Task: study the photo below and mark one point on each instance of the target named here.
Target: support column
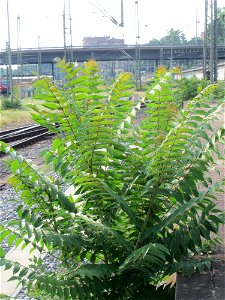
(210, 41)
(53, 71)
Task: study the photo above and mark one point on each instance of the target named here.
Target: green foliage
(221, 25)
(10, 103)
(142, 205)
(177, 37)
(188, 88)
(173, 37)
(219, 93)
(2, 296)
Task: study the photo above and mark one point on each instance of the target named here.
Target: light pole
(18, 28)
(196, 28)
(9, 55)
(64, 30)
(19, 53)
(39, 56)
(138, 50)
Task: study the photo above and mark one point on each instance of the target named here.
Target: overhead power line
(106, 14)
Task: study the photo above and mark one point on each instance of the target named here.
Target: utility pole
(214, 43)
(196, 27)
(210, 41)
(9, 56)
(39, 56)
(138, 51)
(114, 21)
(64, 30)
(71, 41)
(121, 9)
(68, 55)
(19, 52)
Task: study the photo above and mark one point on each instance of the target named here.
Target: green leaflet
(172, 217)
(92, 270)
(66, 203)
(156, 252)
(51, 105)
(120, 241)
(11, 239)
(2, 252)
(123, 204)
(4, 234)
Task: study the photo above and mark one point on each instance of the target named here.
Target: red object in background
(3, 87)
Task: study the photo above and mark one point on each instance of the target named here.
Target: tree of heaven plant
(142, 203)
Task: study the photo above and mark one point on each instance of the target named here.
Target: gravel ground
(9, 199)
(51, 263)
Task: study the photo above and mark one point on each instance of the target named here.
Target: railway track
(24, 136)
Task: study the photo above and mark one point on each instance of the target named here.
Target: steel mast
(19, 52)
(67, 30)
(137, 49)
(210, 56)
(9, 56)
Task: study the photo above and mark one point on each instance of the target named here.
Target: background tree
(192, 41)
(173, 37)
(154, 42)
(221, 26)
(177, 37)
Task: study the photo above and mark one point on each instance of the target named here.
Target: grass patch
(13, 117)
